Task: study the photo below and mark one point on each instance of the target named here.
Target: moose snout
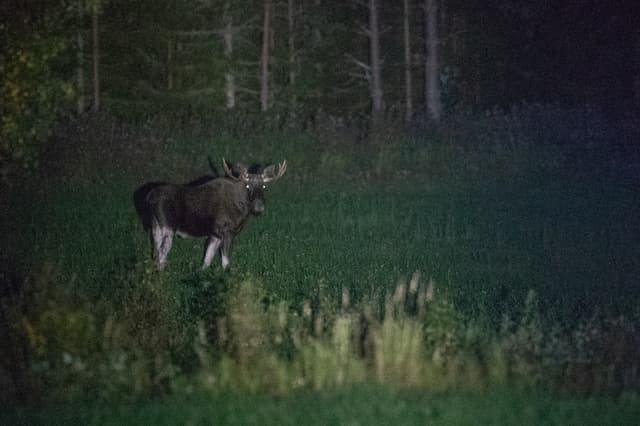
(258, 207)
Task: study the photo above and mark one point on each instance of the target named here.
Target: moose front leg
(211, 248)
(225, 254)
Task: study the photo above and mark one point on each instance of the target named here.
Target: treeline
(353, 57)
(293, 57)
(298, 59)
(339, 56)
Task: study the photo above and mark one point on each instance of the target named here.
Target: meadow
(433, 270)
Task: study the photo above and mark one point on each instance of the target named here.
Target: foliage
(147, 344)
(33, 90)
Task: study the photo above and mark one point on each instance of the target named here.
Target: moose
(215, 208)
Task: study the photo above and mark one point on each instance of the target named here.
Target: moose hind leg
(156, 240)
(211, 248)
(162, 241)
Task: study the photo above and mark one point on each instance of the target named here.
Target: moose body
(217, 210)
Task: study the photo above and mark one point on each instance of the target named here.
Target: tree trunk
(178, 71)
(264, 75)
(170, 60)
(292, 45)
(375, 64)
(432, 67)
(317, 34)
(230, 86)
(80, 58)
(291, 19)
(408, 84)
(636, 79)
(96, 54)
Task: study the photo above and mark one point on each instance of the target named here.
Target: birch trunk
(636, 80)
(96, 54)
(178, 72)
(291, 42)
(80, 58)
(291, 20)
(432, 67)
(317, 34)
(170, 55)
(375, 64)
(264, 74)
(230, 86)
(408, 83)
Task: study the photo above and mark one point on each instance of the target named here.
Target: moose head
(255, 183)
(217, 210)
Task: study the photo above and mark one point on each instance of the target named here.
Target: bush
(33, 92)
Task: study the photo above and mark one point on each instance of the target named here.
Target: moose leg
(152, 238)
(211, 248)
(162, 241)
(167, 241)
(226, 250)
(156, 239)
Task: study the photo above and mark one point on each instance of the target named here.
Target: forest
(449, 233)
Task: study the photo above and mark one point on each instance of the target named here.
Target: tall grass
(146, 341)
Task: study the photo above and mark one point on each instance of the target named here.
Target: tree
(291, 45)
(95, 10)
(80, 89)
(35, 82)
(229, 78)
(264, 57)
(408, 111)
(375, 63)
(432, 67)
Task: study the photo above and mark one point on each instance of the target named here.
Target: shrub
(32, 92)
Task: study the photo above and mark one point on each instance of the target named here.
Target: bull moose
(217, 209)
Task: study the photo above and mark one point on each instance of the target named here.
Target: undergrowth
(145, 340)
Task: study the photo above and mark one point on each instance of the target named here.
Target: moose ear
(269, 171)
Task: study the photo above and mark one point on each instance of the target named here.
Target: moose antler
(282, 168)
(228, 171)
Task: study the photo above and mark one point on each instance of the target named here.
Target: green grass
(342, 218)
(359, 405)
(576, 245)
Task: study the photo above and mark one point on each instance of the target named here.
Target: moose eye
(264, 186)
(247, 186)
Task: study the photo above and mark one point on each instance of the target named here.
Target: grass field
(361, 405)
(534, 267)
(575, 243)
